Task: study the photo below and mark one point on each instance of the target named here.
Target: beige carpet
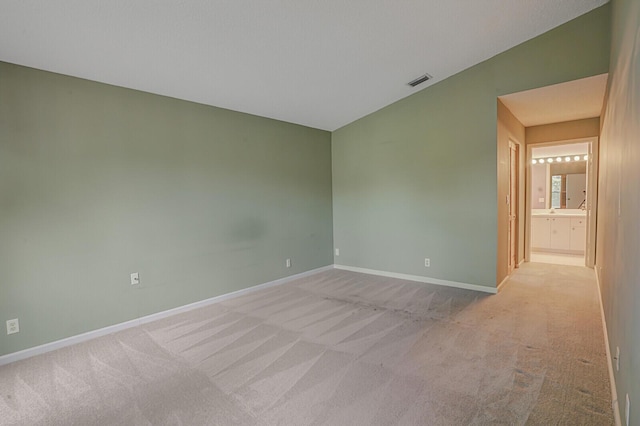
(339, 348)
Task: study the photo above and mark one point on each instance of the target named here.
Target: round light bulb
(559, 159)
(534, 161)
(549, 160)
(586, 156)
(577, 157)
(567, 159)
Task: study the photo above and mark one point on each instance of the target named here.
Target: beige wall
(509, 128)
(618, 242)
(576, 129)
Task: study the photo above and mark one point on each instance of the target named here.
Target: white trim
(612, 379)
(58, 344)
(419, 278)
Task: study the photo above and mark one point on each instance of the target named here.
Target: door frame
(592, 196)
(513, 234)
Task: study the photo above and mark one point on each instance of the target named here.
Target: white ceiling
(573, 100)
(317, 63)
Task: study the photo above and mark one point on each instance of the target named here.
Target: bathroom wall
(539, 186)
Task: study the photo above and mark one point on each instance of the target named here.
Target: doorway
(561, 202)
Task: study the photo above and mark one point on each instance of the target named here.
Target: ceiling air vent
(419, 80)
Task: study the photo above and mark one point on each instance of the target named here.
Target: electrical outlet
(627, 409)
(617, 358)
(13, 326)
(288, 263)
(135, 278)
(337, 252)
(427, 262)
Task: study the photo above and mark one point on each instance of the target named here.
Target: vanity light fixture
(566, 159)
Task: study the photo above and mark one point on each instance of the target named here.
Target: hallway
(558, 313)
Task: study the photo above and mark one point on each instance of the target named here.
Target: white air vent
(419, 80)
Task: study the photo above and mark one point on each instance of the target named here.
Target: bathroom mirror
(559, 185)
(568, 191)
(568, 185)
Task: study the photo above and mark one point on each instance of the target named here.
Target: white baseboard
(612, 379)
(419, 278)
(48, 347)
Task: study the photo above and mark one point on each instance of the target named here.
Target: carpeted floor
(339, 348)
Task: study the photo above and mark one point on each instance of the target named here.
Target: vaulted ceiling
(322, 64)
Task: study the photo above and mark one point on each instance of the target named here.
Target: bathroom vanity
(563, 231)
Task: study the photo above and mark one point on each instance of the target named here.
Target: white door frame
(592, 196)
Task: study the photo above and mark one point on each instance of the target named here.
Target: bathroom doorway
(561, 202)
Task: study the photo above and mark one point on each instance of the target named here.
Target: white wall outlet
(13, 326)
(288, 263)
(427, 262)
(135, 278)
(627, 409)
(541, 200)
(617, 358)
(337, 252)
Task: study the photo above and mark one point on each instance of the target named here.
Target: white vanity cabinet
(540, 232)
(558, 233)
(560, 238)
(578, 233)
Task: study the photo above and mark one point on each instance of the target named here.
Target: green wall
(618, 241)
(97, 182)
(418, 178)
